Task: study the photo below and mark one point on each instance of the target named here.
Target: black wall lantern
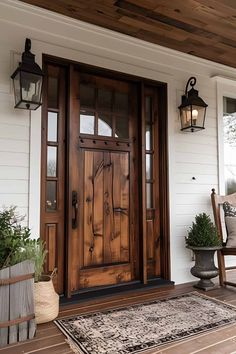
(27, 81)
(192, 109)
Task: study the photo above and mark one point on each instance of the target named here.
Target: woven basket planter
(46, 300)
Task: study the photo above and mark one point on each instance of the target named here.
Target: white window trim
(225, 87)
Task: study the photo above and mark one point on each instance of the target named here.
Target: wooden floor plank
(57, 349)
(50, 340)
(200, 341)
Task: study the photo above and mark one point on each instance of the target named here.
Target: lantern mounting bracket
(192, 82)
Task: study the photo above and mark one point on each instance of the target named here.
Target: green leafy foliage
(35, 251)
(202, 233)
(13, 237)
(16, 245)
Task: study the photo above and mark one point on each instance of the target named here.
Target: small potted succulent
(204, 242)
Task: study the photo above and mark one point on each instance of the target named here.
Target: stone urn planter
(203, 240)
(204, 267)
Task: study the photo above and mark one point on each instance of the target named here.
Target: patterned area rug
(135, 329)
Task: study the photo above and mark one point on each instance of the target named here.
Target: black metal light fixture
(192, 109)
(27, 81)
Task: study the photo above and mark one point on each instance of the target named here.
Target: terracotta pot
(46, 300)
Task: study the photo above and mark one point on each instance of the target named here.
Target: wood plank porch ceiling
(203, 28)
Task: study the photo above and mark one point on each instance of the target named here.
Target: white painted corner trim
(225, 87)
(223, 80)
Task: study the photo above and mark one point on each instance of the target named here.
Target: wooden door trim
(164, 192)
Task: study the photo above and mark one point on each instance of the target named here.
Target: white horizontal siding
(19, 200)
(14, 173)
(14, 143)
(14, 159)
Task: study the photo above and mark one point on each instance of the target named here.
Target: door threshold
(100, 292)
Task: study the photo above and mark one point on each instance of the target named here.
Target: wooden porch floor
(49, 339)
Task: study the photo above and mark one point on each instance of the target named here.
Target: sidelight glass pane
(149, 137)
(149, 195)
(52, 161)
(52, 126)
(87, 96)
(229, 120)
(122, 127)
(87, 122)
(149, 166)
(104, 124)
(52, 92)
(51, 196)
(121, 103)
(104, 99)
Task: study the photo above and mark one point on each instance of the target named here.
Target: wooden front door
(104, 195)
(104, 189)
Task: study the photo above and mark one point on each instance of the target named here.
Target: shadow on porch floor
(49, 339)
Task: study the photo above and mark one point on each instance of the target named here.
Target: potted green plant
(45, 297)
(204, 242)
(16, 277)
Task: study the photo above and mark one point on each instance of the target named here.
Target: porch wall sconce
(192, 109)
(27, 81)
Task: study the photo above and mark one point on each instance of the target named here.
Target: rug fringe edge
(73, 346)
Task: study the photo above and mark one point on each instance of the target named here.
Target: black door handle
(75, 209)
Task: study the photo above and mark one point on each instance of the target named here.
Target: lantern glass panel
(198, 116)
(185, 116)
(17, 90)
(31, 87)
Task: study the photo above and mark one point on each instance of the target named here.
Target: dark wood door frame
(161, 89)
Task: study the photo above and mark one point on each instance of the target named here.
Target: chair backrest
(217, 201)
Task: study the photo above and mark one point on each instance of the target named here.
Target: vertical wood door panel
(106, 208)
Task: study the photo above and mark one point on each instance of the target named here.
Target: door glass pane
(87, 96)
(52, 161)
(52, 126)
(149, 195)
(87, 122)
(122, 127)
(104, 99)
(52, 92)
(121, 103)
(148, 137)
(148, 166)
(229, 119)
(51, 196)
(104, 124)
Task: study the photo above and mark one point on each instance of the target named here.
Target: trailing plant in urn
(202, 233)
(203, 240)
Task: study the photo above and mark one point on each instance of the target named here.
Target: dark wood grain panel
(115, 241)
(98, 194)
(125, 207)
(108, 209)
(88, 208)
(204, 28)
(52, 246)
(106, 275)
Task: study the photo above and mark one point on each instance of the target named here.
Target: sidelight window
(229, 122)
